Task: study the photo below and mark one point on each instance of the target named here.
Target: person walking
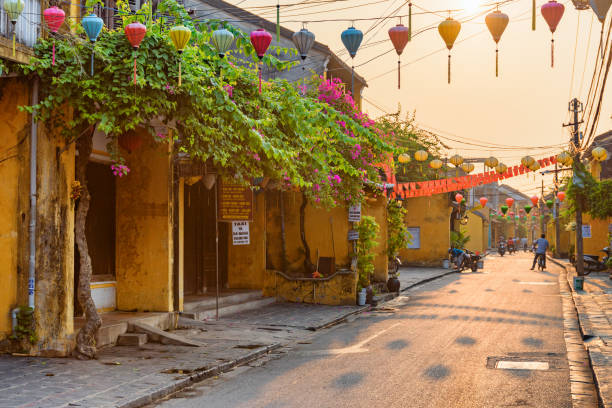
(541, 245)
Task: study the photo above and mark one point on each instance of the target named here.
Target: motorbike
(593, 264)
(511, 249)
(501, 249)
(471, 260)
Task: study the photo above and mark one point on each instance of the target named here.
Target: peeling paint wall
(144, 260)
(475, 229)
(340, 289)
(432, 215)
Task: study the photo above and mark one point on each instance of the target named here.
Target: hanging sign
(586, 231)
(353, 235)
(235, 202)
(354, 213)
(240, 233)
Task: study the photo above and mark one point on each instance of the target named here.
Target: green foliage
(398, 236)
(459, 239)
(368, 234)
(218, 112)
(594, 197)
(24, 331)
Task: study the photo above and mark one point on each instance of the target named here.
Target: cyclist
(541, 245)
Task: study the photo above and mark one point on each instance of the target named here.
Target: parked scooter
(501, 249)
(470, 260)
(593, 264)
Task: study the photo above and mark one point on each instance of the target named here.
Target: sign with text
(235, 202)
(353, 235)
(241, 233)
(586, 231)
(355, 213)
(414, 238)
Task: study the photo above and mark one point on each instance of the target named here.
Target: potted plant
(368, 232)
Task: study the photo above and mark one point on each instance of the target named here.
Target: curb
(166, 390)
(427, 280)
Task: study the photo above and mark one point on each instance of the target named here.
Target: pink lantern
(135, 33)
(561, 196)
(509, 201)
(552, 13)
(54, 17)
(261, 40)
(483, 201)
(458, 198)
(534, 200)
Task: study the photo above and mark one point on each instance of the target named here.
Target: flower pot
(393, 284)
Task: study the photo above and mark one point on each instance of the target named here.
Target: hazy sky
(525, 106)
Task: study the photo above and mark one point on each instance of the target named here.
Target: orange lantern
(483, 201)
(400, 35)
(509, 201)
(552, 13)
(458, 198)
(496, 23)
(449, 30)
(561, 196)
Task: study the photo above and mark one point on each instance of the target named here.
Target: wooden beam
(22, 53)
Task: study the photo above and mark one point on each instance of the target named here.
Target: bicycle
(541, 263)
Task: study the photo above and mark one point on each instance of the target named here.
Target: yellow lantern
(467, 167)
(403, 158)
(180, 36)
(527, 161)
(501, 168)
(599, 154)
(435, 164)
(449, 30)
(496, 23)
(535, 166)
(564, 158)
(456, 160)
(421, 155)
(491, 162)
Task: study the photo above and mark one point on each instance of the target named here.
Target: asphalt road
(434, 346)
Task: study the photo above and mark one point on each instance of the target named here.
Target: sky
(525, 106)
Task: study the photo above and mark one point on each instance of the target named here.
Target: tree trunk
(86, 338)
(308, 266)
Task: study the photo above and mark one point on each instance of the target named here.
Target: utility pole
(557, 237)
(575, 106)
(542, 230)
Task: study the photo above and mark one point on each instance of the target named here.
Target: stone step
(208, 302)
(156, 335)
(208, 313)
(132, 339)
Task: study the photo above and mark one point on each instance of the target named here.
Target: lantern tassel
(180, 81)
(398, 74)
(53, 57)
(449, 68)
(259, 70)
(409, 21)
(13, 41)
(92, 62)
(134, 71)
(277, 22)
(533, 15)
(552, 52)
(496, 62)
(353, 82)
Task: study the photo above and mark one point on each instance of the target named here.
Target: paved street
(437, 345)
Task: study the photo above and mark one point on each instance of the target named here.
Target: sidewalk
(594, 308)
(131, 376)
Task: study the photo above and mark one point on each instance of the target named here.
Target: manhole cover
(528, 361)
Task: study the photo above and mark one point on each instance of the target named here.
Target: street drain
(249, 346)
(521, 365)
(539, 361)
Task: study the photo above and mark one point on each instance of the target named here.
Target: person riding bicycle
(541, 245)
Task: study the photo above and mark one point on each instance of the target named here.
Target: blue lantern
(92, 25)
(351, 38)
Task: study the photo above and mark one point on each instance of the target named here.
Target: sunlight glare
(471, 6)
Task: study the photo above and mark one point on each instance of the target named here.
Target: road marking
(521, 365)
(537, 283)
(357, 348)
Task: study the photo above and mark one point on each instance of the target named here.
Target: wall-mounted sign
(240, 233)
(235, 202)
(355, 213)
(586, 231)
(414, 238)
(353, 235)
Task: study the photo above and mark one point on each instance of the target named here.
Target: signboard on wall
(353, 235)
(235, 202)
(414, 239)
(586, 231)
(240, 233)
(355, 213)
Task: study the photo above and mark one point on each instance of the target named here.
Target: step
(207, 302)
(132, 339)
(208, 313)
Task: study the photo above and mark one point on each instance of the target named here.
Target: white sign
(586, 231)
(414, 238)
(240, 233)
(355, 213)
(353, 235)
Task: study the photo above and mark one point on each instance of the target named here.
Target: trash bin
(446, 264)
(578, 282)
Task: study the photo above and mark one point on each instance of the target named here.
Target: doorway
(200, 260)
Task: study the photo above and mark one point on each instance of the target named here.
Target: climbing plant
(368, 234)
(398, 236)
(594, 197)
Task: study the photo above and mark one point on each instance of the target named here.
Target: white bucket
(446, 264)
(361, 298)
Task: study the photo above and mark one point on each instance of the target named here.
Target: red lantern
(458, 198)
(561, 196)
(261, 40)
(483, 201)
(552, 13)
(54, 17)
(535, 200)
(511, 214)
(400, 35)
(135, 33)
(509, 201)
(130, 141)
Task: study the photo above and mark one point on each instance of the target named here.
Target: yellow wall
(432, 215)
(13, 127)
(339, 289)
(247, 263)
(377, 208)
(475, 229)
(144, 259)
(599, 235)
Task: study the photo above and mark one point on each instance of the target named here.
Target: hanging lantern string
(409, 21)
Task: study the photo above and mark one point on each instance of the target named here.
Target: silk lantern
(403, 158)
(458, 197)
(581, 4)
(527, 161)
(564, 158)
(261, 40)
(600, 8)
(303, 41)
(399, 35)
(13, 8)
(483, 201)
(496, 23)
(92, 25)
(535, 166)
(135, 33)
(534, 200)
(549, 203)
(435, 164)
(599, 154)
(456, 160)
(501, 168)
(467, 167)
(54, 17)
(509, 201)
(561, 196)
(351, 38)
(491, 162)
(222, 41)
(552, 13)
(449, 30)
(504, 209)
(421, 155)
(180, 36)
